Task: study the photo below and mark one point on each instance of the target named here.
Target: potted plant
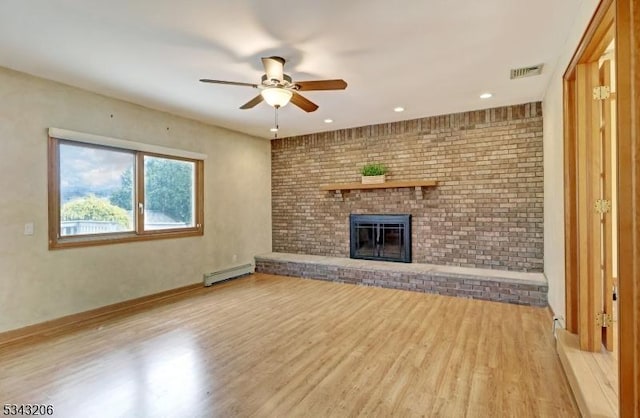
(373, 173)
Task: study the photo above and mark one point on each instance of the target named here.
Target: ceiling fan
(277, 88)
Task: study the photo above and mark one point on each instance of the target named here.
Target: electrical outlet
(28, 228)
(558, 322)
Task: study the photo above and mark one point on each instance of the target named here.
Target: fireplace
(381, 237)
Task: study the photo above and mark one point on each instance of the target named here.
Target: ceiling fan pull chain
(277, 126)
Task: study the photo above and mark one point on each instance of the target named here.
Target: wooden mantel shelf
(417, 184)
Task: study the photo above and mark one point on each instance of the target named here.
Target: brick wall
(485, 212)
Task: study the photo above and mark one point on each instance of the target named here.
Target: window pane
(169, 200)
(96, 190)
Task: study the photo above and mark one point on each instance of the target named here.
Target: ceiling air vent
(526, 71)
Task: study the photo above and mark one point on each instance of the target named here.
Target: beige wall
(37, 284)
(554, 166)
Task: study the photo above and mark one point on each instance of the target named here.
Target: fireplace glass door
(381, 237)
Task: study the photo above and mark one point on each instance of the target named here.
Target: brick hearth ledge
(495, 285)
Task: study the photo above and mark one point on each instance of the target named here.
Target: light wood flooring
(593, 376)
(272, 346)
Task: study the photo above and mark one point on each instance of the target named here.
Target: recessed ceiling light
(328, 121)
(398, 109)
(486, 95)
(273, 129)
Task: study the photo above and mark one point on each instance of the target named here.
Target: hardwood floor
(593, 376)
(278, 346)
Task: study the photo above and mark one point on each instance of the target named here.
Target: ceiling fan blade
(303, 103)
(251, 103)
(321, 85)
(274, 68)
(232, 83)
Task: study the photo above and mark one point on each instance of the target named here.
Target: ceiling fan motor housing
(286, 82)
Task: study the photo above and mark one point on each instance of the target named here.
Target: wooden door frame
(588, 221)
(582, 236)
(626, 15)
(628, 125)
(607, 142)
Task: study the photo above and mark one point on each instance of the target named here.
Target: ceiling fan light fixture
(276, 96)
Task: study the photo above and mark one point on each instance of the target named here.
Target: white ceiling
(430, 56)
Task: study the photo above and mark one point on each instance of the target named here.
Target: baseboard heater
(226, 274)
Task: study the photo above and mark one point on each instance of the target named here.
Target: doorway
(591, 225)
(602, 195)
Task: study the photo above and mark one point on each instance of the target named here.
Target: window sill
(95, 240)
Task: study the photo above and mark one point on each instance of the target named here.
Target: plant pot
(373, 179)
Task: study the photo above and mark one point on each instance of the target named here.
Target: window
(101, 194)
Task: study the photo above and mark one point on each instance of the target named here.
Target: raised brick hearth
(495, 285)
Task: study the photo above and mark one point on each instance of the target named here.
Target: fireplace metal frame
(380, 219)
